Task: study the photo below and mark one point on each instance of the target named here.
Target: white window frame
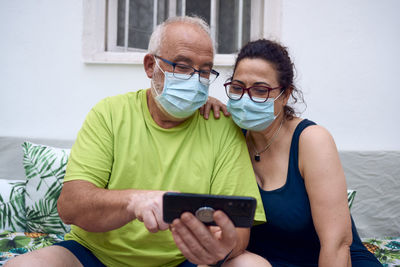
(94, 35)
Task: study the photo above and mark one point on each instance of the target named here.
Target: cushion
(385, 249)
(45, 169)
(350, 197)
(13, 244)
(12, 205)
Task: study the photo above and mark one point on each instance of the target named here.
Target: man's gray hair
(158, 34)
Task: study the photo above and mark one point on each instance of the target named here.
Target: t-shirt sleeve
(91, 156)
(233, 173)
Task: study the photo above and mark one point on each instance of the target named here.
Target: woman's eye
(259, 90)
(236, 88)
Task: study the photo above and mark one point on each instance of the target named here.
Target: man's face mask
(180, 97)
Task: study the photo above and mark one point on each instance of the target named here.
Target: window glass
(198, 8)
(121, 23)
(162, 11)
(141, 20)
(140, 23)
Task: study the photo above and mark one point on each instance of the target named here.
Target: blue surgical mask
(251, 115)
(181, 98)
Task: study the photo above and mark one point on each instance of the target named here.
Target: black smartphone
(239, 209)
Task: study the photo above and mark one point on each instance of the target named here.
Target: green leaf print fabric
(350, 197)
(12, 205)
(45, 169)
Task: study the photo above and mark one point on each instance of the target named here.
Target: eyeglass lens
(256, 93)
(206, 76)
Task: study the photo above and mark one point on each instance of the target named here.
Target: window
(118, 31)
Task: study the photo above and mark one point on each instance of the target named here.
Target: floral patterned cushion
(386, 250)
(12, 205)
(16, 243)
(45, 169)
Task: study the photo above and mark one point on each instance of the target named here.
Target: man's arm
(100, 210)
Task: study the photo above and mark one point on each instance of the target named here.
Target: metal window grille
(229, 20)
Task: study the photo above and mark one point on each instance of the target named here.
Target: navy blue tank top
(288, 238)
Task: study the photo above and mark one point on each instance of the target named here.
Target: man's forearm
(94, 209)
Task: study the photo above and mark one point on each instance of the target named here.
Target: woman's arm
(325, 183)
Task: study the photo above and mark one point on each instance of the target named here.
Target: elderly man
(134, 147)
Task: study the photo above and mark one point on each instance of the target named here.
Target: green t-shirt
(121, 147)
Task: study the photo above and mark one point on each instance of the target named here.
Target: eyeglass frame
(174, 64)
(247, 89)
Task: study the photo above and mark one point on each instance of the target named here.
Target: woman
(297, 168)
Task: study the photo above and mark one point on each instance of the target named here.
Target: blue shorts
(84, 255)
(87, 258)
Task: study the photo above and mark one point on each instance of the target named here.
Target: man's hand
(147, 207)
(203, 245)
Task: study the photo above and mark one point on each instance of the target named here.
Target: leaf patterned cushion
(12, 205)
(45, 169)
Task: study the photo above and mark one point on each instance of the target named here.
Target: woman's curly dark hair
(278, 56)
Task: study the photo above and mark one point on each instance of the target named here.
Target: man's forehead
(181, 35)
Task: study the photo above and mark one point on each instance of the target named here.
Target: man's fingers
(228, 231)
(205, 237)
(183, 247)
(150, 221)
(188, 243)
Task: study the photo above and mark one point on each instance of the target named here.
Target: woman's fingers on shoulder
(216, 105)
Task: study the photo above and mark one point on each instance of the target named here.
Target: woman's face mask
(180, 97)
(250, 115)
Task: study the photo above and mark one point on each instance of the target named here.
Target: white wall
(346, 53)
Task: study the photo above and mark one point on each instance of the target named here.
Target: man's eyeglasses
(185, 72)
(257, 93)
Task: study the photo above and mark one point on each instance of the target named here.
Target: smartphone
(238, 208)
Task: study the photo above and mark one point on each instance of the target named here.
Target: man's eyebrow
(180, 58)
(183, 59)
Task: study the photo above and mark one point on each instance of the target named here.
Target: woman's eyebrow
(261, 83)
(239, 81)
(256, 83)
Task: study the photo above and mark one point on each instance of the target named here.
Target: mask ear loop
(274, 103)
(279, 95)
(152, 82)
(155, 59)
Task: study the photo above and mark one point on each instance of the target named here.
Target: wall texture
(346, 54)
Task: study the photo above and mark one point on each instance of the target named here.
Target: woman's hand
(216, 105)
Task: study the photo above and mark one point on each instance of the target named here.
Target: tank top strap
(294, 147)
